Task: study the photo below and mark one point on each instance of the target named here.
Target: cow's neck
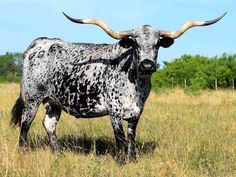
(142, 81)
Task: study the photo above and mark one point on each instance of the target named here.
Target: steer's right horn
(103, 25)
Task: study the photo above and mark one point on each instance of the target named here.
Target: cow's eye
(128, 42)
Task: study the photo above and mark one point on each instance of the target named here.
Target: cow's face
(146, 41)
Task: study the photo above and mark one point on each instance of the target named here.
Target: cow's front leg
(132, 124)
(120, 138)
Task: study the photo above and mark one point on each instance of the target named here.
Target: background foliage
(197, 72)
(11, 67)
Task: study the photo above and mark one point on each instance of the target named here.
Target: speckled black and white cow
(92, 80)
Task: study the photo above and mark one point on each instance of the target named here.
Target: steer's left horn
(103, 25)
(187, 26)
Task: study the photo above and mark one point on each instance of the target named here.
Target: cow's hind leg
(51, 118)
(120, 139)
(28, 115)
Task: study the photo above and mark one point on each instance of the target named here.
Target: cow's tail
(16, 112)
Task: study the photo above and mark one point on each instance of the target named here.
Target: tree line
(190, 72)
(197, 72)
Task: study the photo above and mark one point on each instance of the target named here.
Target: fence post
(233, 84)
(172, 82)
(216, 85)
(185, 84)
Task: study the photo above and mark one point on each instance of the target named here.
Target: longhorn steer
(91, 80)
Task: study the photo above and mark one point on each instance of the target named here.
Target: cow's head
(145, 40)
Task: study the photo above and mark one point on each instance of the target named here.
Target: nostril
(147, 65)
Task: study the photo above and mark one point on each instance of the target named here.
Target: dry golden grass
(178, 135)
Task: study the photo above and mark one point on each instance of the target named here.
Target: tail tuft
(16, 112)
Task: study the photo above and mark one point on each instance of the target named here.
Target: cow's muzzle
(147, 67)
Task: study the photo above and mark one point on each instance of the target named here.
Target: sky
(21, 21)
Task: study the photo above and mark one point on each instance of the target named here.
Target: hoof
(57, 150)
(121, 159)
(132, 160)
(22, 150)
(132, 157)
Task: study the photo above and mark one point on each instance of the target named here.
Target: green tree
(10, 67)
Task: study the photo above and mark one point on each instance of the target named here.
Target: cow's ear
(166, 42)
(128, 42)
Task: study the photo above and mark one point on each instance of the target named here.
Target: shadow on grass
(86, 145)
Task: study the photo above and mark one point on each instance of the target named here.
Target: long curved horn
(187, 26)
(103, 25)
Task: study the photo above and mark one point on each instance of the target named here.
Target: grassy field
(178, 135)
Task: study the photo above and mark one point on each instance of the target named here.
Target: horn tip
(224, 14)
(219, 18)
(64, 14)
(81, 21)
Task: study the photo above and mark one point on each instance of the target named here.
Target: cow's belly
(86, 112)
(81, 107)
(84, 104)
